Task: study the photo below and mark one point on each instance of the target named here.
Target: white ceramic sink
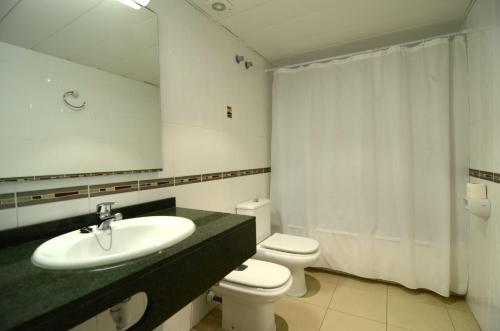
(128, 239)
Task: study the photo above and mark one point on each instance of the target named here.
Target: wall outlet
(229, 111)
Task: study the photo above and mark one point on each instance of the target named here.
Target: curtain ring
(73, 94)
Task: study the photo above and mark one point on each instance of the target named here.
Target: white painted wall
(39, 135)
(484, 247)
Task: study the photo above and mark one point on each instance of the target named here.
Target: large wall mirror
(79, 87)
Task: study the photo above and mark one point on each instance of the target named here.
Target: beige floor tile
(368, 304)
(463, 320)
(362, 284)
(396, 328)
(417, 316)
(323, 276)
(299, 316)
(319, 291)
(337, 321)
(211, 322)
(457, 303)
(417, 296)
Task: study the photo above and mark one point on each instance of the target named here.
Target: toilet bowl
(248, 294)
(293, 252)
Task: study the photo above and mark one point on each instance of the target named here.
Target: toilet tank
(261, 209)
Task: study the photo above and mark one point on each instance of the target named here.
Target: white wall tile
(239, 189)
(483, 24)
(194, 151)
(50, 183)
(205, 195)
(97, 180)
(47, 212)
(29, 215)
(167, 145)
(8, 219)
(120, 200)
(11, 149)
(7, 187)
(156, 194)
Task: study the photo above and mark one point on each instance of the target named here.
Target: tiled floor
(339, 303)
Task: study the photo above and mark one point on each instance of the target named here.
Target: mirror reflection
(79, 89)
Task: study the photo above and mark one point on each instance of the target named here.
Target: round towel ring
(73, 94)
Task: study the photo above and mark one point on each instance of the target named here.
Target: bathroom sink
(127, 239)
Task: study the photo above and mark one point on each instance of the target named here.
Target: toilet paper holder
(478, 207)
(476, 200)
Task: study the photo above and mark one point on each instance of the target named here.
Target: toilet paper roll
(476, 191)
(479, 207)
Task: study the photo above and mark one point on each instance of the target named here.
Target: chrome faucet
(105, 217)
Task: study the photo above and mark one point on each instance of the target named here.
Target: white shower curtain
(363, 161)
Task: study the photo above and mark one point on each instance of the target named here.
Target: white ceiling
(103, 34)
(281, 29)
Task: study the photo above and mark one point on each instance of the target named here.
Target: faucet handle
(104, 208)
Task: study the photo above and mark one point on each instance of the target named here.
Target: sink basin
(127, 239)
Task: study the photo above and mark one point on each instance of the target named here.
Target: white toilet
(293, 252)
(277, 269)
(248, 294)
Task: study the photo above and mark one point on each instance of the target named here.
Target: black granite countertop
(29, 293)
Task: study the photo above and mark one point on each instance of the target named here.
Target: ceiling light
(218, 6)
(136, 4)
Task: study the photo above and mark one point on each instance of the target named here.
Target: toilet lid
(259, 274)
(290, 244)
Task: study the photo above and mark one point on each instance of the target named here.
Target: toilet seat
(290, 251)
(290, 244)
(248, 295)
(260, 281)
(296, 253)
(259, 274)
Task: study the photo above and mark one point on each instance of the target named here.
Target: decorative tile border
(156, 183)
(7, 201)
(486, 175)
(29, 198)
(187, 180)
(247, 172)
(113, 188)
(85, 174)
(212, 176)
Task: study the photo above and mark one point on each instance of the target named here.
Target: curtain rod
(337, 57)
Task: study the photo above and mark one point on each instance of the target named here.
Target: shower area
(371, 157)
(367, 160)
